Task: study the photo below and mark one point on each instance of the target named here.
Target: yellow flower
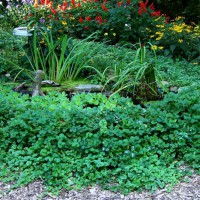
(179, 28)
(158, 38)
(151, 36)
(188, 30)
(154, 47)
(160, 26)
(157, 18)
(148, 30)
(49, 27)
(159, 33)
(180, 40)
(42, 41)
(105, 34)
(114, 34)
(179, 17)
(161, 47)
(64, 23)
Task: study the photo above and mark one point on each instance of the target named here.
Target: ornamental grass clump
(139, 77)
(63, 58)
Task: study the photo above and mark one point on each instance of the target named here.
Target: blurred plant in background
(189, 9)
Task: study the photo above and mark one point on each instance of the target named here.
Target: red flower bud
(119, 4)
(104, 7)
(80, 20)
(98, 19)
(64, 5)
(73, 3)
(86, 28)
(88, 18)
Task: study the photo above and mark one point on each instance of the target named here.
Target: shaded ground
(36, 191)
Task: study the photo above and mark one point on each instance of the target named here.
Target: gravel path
(36, 191)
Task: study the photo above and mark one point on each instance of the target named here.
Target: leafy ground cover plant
(95, 140)
(178, 72)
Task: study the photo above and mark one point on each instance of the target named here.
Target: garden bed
(92, 139)
(133, 137)
(185, 190)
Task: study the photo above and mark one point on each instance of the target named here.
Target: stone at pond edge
(50, 83)
(173, 89)
(88, 88)
(20, 87)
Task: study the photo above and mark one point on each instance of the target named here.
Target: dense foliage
(95, 140)
(189, 9)
(91, 139)
(116, 22)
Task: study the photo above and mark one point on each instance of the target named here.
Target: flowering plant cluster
(124, 21)
(114, 21)
(177, 39)
(14, 11)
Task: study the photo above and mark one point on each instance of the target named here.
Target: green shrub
(95, 140)
(124, 21)
(178, 39)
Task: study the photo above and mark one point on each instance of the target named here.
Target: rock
(93, 191)
(20, 87)
(165, 83)
(88, 88)
(7, 75)
(50, 83)
(37, 83)
(173, 89)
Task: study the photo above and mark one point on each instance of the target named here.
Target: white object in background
(22, 31)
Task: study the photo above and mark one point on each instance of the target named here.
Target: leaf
(172, 47)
